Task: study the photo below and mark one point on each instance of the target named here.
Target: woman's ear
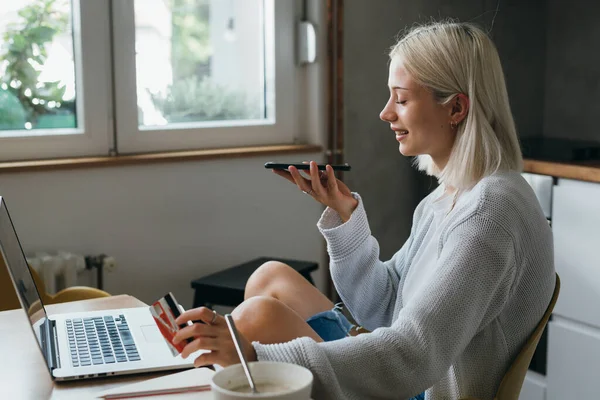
(460, 108)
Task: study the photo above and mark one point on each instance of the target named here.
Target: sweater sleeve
(475, 271)
(366, 285)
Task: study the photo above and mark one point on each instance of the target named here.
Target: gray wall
(572, 70)
(390, 187)
(519, 32)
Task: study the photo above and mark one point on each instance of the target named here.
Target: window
(46, 76)
(38, 71)
(130, 76)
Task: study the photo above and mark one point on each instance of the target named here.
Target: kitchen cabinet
(574, 333)
(573, 361)
(534, 387)
(576, 229)
(573, 347)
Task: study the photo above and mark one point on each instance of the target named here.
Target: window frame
(94, 132)
(283, 129)
(300, 92)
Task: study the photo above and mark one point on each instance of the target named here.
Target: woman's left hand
(213, 335)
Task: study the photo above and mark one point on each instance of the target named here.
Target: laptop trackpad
(151, 333)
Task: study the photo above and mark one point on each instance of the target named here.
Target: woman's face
(421, 124)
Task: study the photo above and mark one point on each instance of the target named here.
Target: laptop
(89, 344)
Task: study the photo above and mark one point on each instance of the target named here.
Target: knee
(262, 281)
(255, 313)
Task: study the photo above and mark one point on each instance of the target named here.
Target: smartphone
(274, 165)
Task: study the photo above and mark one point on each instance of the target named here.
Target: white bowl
(294, 381)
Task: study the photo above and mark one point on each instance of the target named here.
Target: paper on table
(175, 383)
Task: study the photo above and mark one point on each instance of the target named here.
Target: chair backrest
(511, 384)
(8, 296)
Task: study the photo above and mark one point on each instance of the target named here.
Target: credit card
(164, 311)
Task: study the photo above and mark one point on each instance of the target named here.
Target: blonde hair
(451, 58)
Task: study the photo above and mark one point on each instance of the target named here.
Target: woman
(452, 308)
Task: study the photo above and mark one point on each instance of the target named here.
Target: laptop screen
(18, 269)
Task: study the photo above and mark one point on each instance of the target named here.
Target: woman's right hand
(323, 187)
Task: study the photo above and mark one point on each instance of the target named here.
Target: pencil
(147, 393)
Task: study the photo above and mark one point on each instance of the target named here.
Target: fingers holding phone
(323, 186)
(318, 187)
(284, 174)
(304, 184)
(305, 166)
(283, 170)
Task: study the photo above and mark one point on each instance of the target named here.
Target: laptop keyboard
(100, 340)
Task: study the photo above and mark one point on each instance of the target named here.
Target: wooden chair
(9, 300)
(511, 384)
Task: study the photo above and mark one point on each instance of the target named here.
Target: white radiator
(61, 270)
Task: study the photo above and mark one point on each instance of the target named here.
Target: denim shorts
(332, 325)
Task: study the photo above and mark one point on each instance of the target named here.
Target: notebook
(190, 384)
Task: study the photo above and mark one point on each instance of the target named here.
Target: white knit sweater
(494, 279)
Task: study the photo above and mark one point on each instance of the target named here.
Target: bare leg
(278, 302)
(268, 320)
(282, 282)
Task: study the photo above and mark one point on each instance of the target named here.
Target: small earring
(453, 125)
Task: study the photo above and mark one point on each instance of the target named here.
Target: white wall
(167, 224)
